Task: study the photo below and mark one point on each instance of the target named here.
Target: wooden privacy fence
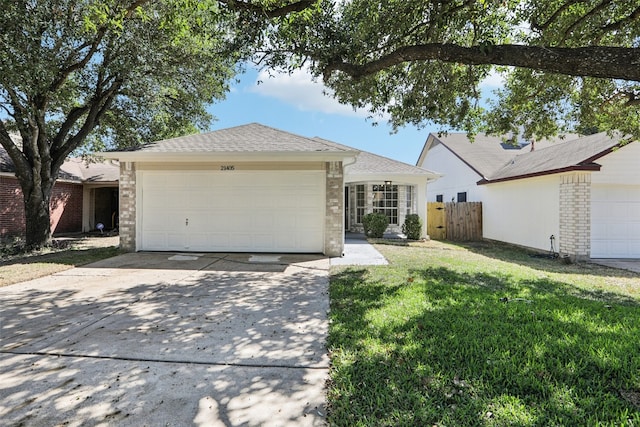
(454, 221)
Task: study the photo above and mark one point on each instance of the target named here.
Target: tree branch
(94, 110)
(64, 73)
(570, 30)
(592, 61)
(18, 158)
(244, 6)
(93, 48)
(537, 26)
(634, 16)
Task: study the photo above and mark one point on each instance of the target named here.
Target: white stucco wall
(458, 176)
(522, 212)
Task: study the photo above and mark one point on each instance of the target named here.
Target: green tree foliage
(567, 64)
(105, 72)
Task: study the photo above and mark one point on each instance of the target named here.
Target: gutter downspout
(344, 168)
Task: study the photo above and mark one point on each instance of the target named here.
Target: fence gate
(436, 221)
(454, 221)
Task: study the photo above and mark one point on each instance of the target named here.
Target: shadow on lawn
(540, 261)
(446, 349)
(73, 257)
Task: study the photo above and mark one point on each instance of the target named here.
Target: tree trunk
(38, 216)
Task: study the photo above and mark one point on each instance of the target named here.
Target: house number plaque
(227, 168)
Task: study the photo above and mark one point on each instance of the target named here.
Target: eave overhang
(247, 156)
(591, 167)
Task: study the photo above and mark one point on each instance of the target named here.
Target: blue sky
(296, 104)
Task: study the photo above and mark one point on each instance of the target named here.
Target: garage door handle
(186, 221)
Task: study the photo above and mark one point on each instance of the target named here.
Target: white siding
(458, 178)
(615, 205)
(622, 166)
(522, 212)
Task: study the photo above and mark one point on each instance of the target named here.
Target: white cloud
(299, 90)
(494, 80)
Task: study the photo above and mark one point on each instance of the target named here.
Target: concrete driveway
(158, 339)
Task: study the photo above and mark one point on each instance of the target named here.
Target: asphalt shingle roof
(578, 153)
(496, 161)
(74, 169)
(369, 163)
(484, 155)
(252, 137)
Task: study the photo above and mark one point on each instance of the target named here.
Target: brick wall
(11, 208)
(66, 208)
(575, 215)
(127, 198)
(334, 213)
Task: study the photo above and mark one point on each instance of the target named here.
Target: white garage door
(234, 211)
(615, 221)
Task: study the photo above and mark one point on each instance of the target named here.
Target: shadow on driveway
(135, 340)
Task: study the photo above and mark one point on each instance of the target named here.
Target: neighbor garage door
(235, 211)
(615, 221)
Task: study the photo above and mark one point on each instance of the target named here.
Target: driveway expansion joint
(152, 360)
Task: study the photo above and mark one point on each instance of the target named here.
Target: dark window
(462, 197)
(439, 198)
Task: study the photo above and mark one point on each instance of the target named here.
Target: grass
(15, 268)
(483, 335)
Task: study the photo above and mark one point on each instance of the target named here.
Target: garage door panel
(156, 240)
(250, 211)
(263, 221)
(176, 240)
(615, 221)
(240, 241)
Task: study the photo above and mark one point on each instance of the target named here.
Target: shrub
(412, 227)
(375, 224)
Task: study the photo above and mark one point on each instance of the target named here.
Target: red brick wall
(66, 208)
(11, 208)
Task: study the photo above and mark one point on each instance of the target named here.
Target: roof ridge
(345, 147)
(379, 156)
(556, 145)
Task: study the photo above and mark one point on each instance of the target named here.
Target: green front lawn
(483, 335)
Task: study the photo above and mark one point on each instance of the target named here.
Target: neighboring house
(254, 188)
(84, 195)
(584, 191)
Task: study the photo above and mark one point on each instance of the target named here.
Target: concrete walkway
(358, 251)
(157, 339)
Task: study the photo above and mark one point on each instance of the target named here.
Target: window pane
(360, 203)
(385, 201)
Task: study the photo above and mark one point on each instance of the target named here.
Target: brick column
(127, 206)
(334, 211)
(575, 216)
